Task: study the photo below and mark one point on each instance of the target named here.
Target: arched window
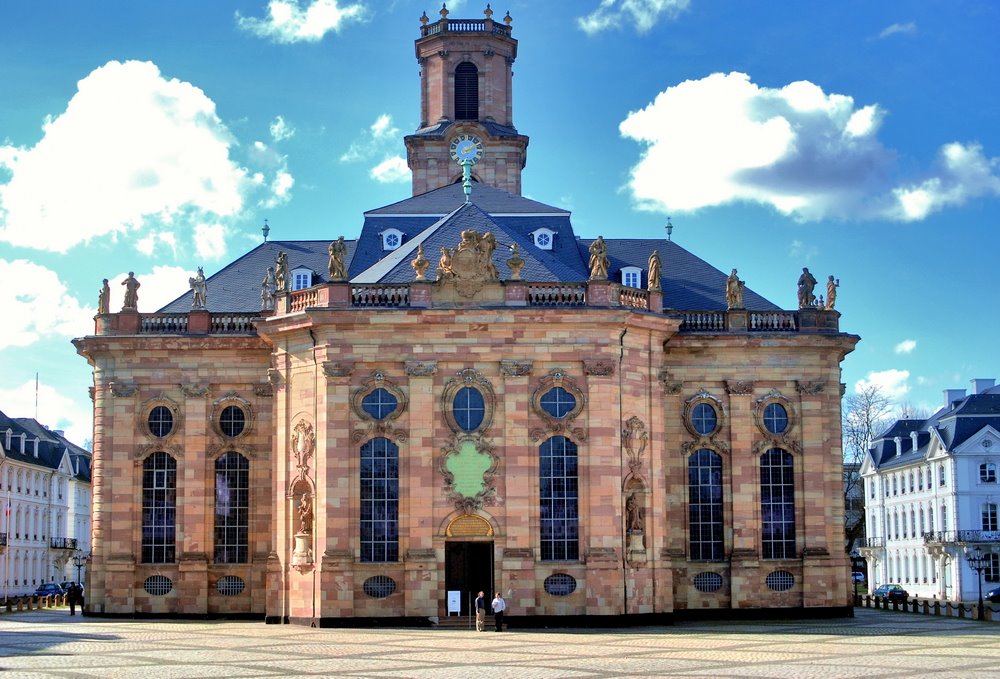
(705, 505)
(379, 501)
(777, 504)
(466, 91)
(159, 508)
(232, 508)
(559, 500)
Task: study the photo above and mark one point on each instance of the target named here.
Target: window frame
(778, 496)
(231, 543)
(159, 509)
(558, 493)
(701, 462)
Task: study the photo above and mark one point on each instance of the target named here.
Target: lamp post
(977, 562)
(79, 559)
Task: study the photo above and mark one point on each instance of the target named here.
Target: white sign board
(454, 602)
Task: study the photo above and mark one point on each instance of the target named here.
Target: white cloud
(908, 28)
(147, 244)
(391, 170)
(132, 152)
(157, 288)
(280, 130)
(642, 13)
(807, 154)
(906, 347)
(892, 382)
(56, 410)
(964, 173)
(289, 22)
(36, 304)
(210, 241)
(378, 138)
(801, 251)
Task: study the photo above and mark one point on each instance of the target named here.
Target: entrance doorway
(468, 570)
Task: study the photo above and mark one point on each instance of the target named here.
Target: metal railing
(961, 536)
(62, 543)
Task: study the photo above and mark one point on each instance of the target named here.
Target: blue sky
(859, 139)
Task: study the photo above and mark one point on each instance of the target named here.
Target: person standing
(73, 597)
(499, 606)
(481, 612)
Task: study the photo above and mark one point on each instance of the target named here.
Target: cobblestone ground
(874, 644)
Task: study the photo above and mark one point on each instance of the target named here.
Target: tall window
(159, 508)
(232, 509)
(992, 571)
(777, 504)
(987, 473)
(705, 505)
(990, 516)
(941, 475)
(466, 91)
(379, 501)
(559, 500)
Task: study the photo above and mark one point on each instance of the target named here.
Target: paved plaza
(874, 644)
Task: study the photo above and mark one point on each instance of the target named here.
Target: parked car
(890, 593)
(49, 588)
(993, 595)
(65, 586)
(858, 576)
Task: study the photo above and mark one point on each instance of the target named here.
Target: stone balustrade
(428, 295)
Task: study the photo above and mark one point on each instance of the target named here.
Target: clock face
(467, 148)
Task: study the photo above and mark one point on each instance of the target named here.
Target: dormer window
(391, 239)
(632, 277)
(302, 278)
(543, 238)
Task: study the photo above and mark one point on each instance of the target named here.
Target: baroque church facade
(467, 396)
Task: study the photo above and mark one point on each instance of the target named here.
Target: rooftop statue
(199, 286)
(806, 285)
(338, 255)
(599, 260)
(131, 292)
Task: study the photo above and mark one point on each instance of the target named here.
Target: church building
(468, 396)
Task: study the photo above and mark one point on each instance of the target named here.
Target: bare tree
(866, 414)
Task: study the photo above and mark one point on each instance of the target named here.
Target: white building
(45, 493)
(931, 496)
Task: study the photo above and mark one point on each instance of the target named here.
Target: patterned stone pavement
(874, 644)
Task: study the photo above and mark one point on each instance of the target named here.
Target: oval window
(379, 404)
(469, 408)
(775, 418)
(379, 586)
(780, 581)
(557, 402)
(157, 585)
(704, 419)
(230, 585)
(232, 421)
(708, 582)
(160, 421)
(560, 584)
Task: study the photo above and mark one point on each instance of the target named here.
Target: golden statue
(655, 269)
(598, 260)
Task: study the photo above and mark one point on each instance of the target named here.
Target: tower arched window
(559, 500)
(232, 508)
(379, 501)
(466, 91)
(705, 505)
(777, 504)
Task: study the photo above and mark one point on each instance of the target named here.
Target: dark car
(890, 593)
(993, 595)
(65, 586)
(49, 588)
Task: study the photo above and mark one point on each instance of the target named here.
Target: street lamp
(79, 559)
(977, 562)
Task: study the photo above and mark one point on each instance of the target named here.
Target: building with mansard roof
(932, 498)
(468, 396)
(45, 492)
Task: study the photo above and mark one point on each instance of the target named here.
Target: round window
(379, 586)
(379, 404)
(560, 584)
(232, 421)
(230, 585)
(469, 408)
(557, 402)
(780, 581)
(775, 418)
(157, 585)
(708, 582)
(704, 419)
(160, 421)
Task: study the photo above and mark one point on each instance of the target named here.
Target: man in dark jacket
(74, 596)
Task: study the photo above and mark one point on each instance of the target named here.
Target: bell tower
(465, 89)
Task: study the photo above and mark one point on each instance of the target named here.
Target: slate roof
(494, 129)
(954, 425)
(52, 446)
(437, 218)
